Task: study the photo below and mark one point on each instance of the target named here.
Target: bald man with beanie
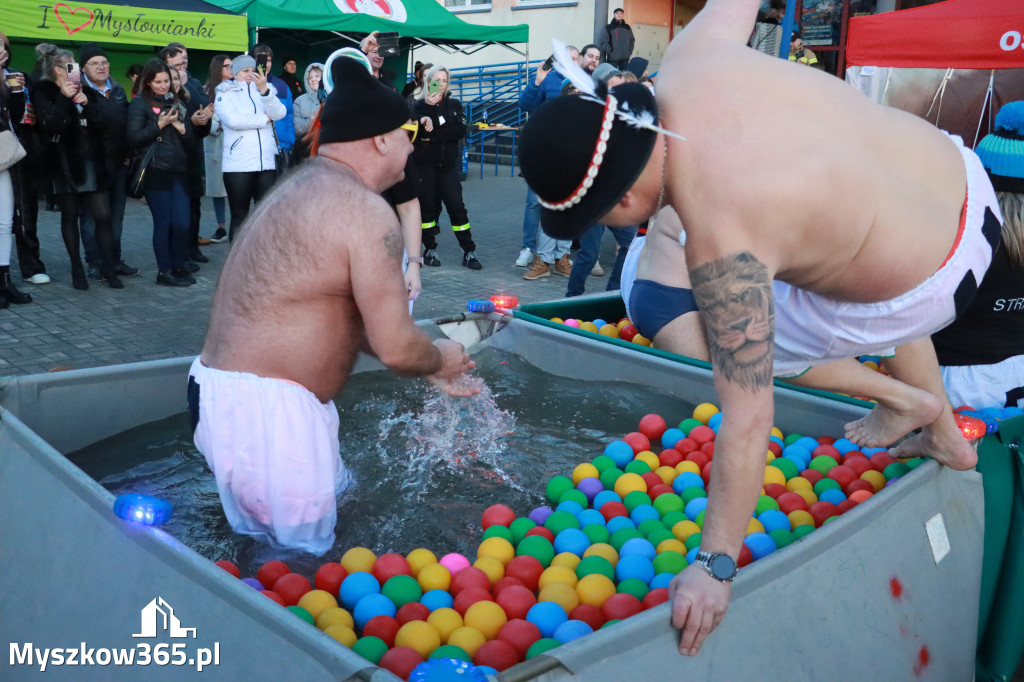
(314, 277)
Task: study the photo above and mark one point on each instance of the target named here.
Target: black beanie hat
(557, 147)
(360, 106)
(90, 50)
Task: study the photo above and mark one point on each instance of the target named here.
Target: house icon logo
(158, 615)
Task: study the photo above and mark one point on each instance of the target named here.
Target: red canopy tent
(965, 34)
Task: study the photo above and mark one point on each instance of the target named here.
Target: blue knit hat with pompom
(1002, 152)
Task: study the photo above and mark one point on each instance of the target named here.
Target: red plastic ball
(470, 576)
(273, 596)
(657, 490)
(589, 614)
(507, 581)
(638, 441)
(843, 475)
(775, 448)
(384, 627)
(497, 654)
(329, 578)
(609, 510)
(701, 434)
(705, 474)
(699, 458)
(520, 634)
(821, 512)
(845, 506)
(828, 451)
(745, 557)
(858, 484)
(621, 605)
(470, 596)
(812, 475)
(651, 425)
(775, 490)
(291, 587)
(708, 448)
(791, 502)
(527, 569)
(401, 660)
(669, 457)
(229, 567)
(880, 460)
(826, 440)
(389, 565)
(858, 463)
(658, 595)
(543, 532)
(497, 515)
(627, 333)
(686, 445)
(516, 601)
(412, 611)
(651, 479)
(270, 572)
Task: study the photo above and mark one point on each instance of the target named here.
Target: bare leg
(684, 336)
(901, 408)
(915, 364)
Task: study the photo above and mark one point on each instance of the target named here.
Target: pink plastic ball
(572, 323)
(454, 562)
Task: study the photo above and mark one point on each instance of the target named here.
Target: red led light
(971, 427)
(506, 301)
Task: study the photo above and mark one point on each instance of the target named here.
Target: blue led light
(480, 306)
(142, 509)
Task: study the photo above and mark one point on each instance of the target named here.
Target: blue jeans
(170, 209)
(87, 225)
(531, 220)
(590, 249)
(219, 208)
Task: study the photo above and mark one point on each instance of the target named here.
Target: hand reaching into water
(452, 378)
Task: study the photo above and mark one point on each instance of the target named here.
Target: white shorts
(982, 386)
(629, 270)
(823, 330)
(273, 447)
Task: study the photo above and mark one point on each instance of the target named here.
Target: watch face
(722, 567)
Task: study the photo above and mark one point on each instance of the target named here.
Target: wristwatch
(721, 567)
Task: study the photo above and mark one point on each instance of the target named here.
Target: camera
(387, 44)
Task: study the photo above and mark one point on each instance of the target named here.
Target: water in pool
(425, 465)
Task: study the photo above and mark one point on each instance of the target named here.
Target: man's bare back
(317, 250)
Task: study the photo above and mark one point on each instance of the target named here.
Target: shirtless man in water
(875, 255)
(314, 278)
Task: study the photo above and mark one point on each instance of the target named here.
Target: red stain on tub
(923, 657)
(896, 588)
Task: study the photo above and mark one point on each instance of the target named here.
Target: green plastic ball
(609, 476)
(700, 518)
(450, 651)
(603, 462)
(561, 520)
(669, 502)
(895, 470)
(635, 499)
(672, 518)
(638, 466)
(823, 463)
(914, 463)
(783, 537)
(802, 531)
(634, 586)
(597, 532)
(692, 493)
(610, 623)
(648, 525)
(687, 425)
(764, 503)
(575, 496)
(498, 531)
(541, 646)
(826, 484)
(520, 527)
(402, 589)
(659, 535)
(692, 541)
(595, 564)
(669, 561)
(792, 438)
(786, 466)
(620, 536)
(370, 648)
(556, 486)
(303, 614)
(539, 547)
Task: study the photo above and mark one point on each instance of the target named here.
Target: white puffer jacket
(248, 136)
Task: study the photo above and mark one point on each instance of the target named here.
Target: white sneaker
(525, 258)
(39, 278)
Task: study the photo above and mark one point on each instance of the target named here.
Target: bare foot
(952, 450)
(886, 424)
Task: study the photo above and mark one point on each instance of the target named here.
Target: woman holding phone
(157, 119)
(247, 107)
(74, 159)
(12, 109)
(437, 160)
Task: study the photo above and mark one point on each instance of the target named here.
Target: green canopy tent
(311, 29)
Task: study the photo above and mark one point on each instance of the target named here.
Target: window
(457, 6)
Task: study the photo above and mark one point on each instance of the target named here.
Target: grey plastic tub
(874, 595)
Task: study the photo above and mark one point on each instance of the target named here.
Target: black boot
(110, 276)
(194, 254)
(8, 291)
(78, 278)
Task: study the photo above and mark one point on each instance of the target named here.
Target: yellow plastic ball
(798, 483)
(602, 549)
(808, 495)
(434, 577)
(562, 594)
(641, 340)
(589, 327)
(335, 616)
(875, 478)
(567, 559)
(799, 517)
(491, 566)
(585, 470)
(774, 475)
(777, 432)
(418, 558)
(870, 364)
(498, 548)
(594, 589)
(358, 559)
(667, 474)
(687, 465)
(468, 639)
(684, 529)
(648, 458)
(770, 457)
(342, 633)
(557, 574)
(755, 526)
(704, 412)
(446, 621)
(487, 617)
(622, 323)
(609, 330)
(628, 483)
(317, 601)
(418, 635)
(557, 320)
(671, 545)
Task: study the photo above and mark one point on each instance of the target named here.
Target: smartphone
(261, 63)
(549, 63)
(74, 74)
(434, 87)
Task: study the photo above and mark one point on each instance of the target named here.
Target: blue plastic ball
(547, 616)
(634, 566)
(617, 523)
(643, 512)
(356, 586)
(873, 451)
(760, 544)
(639, 546)
(570, 630)
(620, 451)
(843, 446)
(798, 454)
(671, 437)
(599, 323)
(1011, 412)
(695, 506)
(807, 442)
(833, 495)
(773, 519)
(589, 516)
(437, 599)
(691, 556)
(572, 540)
(571, 506)
(661, 580)
(686, 479)
(370, 606)
(715, 422)
(604, 497)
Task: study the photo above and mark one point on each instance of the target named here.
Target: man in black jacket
(114, 105)
(617, 41)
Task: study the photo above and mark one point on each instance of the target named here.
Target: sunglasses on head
(413, 128)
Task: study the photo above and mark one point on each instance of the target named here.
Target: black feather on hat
(360, 106)
(558, 147)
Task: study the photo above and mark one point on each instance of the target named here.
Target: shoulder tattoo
(395, 244)
(735, 296)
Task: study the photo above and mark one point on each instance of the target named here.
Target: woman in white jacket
(247, 107)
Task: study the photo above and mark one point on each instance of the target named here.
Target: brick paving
(67, 328)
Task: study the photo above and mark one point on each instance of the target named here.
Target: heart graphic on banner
(70, 15)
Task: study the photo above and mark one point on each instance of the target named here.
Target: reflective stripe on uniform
(460, 228)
